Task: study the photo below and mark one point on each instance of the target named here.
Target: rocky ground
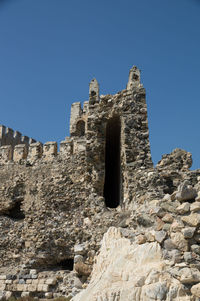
(154, 255)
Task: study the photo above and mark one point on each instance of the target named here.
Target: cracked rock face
(153, 255)
(126, 271)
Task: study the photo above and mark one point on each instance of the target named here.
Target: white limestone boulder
(126, 271)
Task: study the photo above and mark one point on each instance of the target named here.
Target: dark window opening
(135, 76)
(16, 213)
(66, 264)
(93, 93)
(112, 163)
(80, 128)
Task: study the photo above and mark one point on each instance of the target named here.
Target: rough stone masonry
(56, 206)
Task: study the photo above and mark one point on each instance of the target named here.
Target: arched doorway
(112, 163)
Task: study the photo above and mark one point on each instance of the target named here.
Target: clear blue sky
(51, 49)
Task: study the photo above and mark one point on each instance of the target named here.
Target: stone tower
(114, 130)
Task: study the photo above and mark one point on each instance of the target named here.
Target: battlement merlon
(76, 113)
(93, 92)
(10, 137)
(134, 78)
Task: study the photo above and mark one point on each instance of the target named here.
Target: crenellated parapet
(10, 137)
(37, 152)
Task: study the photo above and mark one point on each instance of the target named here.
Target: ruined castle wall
(52, 205)
(48, 193)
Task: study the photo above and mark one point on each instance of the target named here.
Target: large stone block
(51, 281)
(186, 192)
(6, 153)
(20, 152)
(42, 287)
(2, 287)
(79, 145)
(49, 150)
(35, 152)
(66, 147)
(32, 288)
(20, 287)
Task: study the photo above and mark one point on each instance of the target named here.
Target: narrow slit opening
(112, 163)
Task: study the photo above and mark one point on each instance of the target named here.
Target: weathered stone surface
(169, 244)
(188, 257)
(8, 295)
(25, 294)
(183, 208)
(188, 232)
(49, 295)
(197, 199)
(176, 226)
(195, 290)
(179, 241)
(195, 248)
(185, 192)
(188, 275)
(82, 269)
(169, 206)
(78, 283)
(173, 255)
(167, 218)
(141, 239)
(195, 207)
(51, 281)
(78, 258)
(160, 236)
(193, 219)
(79, 249)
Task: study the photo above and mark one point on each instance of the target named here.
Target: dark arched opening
(66, 264)
(80, 128)
(112, 163)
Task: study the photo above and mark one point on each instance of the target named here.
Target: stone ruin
(55, 205)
